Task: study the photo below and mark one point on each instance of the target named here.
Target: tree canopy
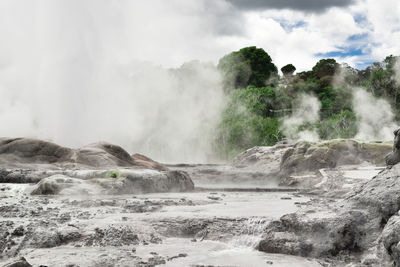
(250, 66)
(288, 70)
(256, 108)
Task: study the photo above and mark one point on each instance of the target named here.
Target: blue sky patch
(290, 26)
(342, 53)
(358, 37)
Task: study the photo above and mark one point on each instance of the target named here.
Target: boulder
(61, 184)
(19, 263)
(394, 157)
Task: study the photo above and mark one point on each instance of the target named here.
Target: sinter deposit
(331, 203)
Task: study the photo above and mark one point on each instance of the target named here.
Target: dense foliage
(288, 69)
(250, 66)
(259, 101)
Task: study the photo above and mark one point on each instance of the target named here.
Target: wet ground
(169, 229)
(217, 226)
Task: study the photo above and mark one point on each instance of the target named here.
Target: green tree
(288, 70)
(247, 122)
(250, 66)
(325, 67)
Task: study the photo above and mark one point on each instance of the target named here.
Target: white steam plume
(397, 72)
(306, 111)
(71, 72)
(374, 116)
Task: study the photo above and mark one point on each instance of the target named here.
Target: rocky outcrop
(391, 238)
(96, 168)
(148, 163)
(19, 263)
(350, 229)
(130, 182)
(306, 157)
(303, 157)
(147, 181)
(61, 184)
(263, 158)
(394, 157)
(35, 154)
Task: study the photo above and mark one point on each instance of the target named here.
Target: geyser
(70, 72)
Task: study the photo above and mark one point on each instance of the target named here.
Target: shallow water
(235, 249)
(220, 254)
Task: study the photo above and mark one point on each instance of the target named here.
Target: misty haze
(199, 133)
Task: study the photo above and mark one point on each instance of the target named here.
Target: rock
(306, 157)
(33, 153)
(19, 231)
(263, 158)
(394, 157)
(391, 238)
(381, 194)
(352, 227)
(299, 164)
(147, 181)
(141, 160)
(103, 155)
(59, 184)
(132, 182)
(214, 198)
(116, 236)
(19, 263)
(299, 235)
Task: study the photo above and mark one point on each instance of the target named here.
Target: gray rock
(23, 152)
(55, 184)
(391, 238)
(132, 182)
(306, 157)
(352, 227)
(394, 157)
(19, 263)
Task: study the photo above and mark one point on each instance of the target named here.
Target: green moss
(113, 174)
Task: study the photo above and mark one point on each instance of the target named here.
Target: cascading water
(251, 233)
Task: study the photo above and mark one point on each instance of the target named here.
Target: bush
(342, 125)
(244, 122)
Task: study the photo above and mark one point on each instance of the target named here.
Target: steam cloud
(375, 116)
(306, 111)
(69, 73)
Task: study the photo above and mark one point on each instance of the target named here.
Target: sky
(357, 32)
(80, 71)
(172, 32)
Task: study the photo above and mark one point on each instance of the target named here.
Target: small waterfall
(251, 233)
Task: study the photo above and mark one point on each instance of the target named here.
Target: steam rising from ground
(305, 111)
(375, 116)
(397, 72)
(69, 73)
